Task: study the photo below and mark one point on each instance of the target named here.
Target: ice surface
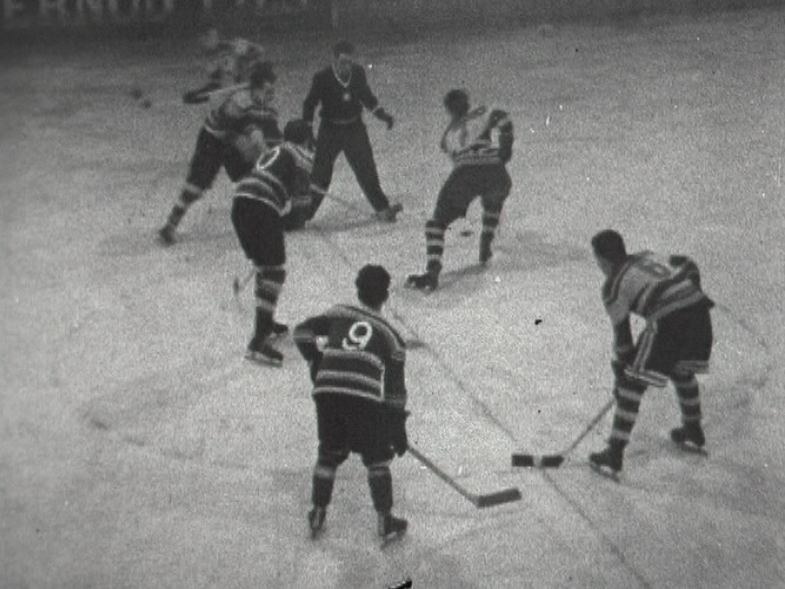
(139, 449)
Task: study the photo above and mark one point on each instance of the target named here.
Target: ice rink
(138, 449)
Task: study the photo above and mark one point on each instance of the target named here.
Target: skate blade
(391, 539)
(605, 472)
(691, 448)
(262, 360)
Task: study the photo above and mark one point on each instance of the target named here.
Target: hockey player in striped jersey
(260, 201)
(229, 62)
(237, 130)
(674, 345)
(360, 395)
(479, 143)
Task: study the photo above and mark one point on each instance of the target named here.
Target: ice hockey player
(259, 203)
(674, 345)
(229, 63)
(479, 142)
(237, 130)
(360, 395)
(342, 90)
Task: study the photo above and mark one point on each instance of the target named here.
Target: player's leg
(204, 167)
(693, 336)
(333, 451)
(260, 234)
(451, 204)
(494, 195)
(359, 156)
(329, 144)
(368, 436)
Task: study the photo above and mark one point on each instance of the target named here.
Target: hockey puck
(147, 103)
(136, 93)
(466, 232)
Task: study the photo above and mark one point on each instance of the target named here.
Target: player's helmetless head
(343, 57)
(373, 285)
(262, 83)
(609, 250)
(456, 102)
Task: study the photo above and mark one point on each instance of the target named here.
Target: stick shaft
(595, 420)
(442, 475)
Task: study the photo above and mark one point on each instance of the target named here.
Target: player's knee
(332, 458)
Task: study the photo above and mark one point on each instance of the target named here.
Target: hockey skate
(389, 214)
(263, 353)
(689, 437)
(316, 521)
(166, 234)
(425, 282)
(391, 528)
(608, 462)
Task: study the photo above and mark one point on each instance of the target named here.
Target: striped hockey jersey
(278, 176)
(238, 114)
(363, 355)
(651, 287)
(479, 138)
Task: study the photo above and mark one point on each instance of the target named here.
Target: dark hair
(261, 73)
(609, 245)
(373, 283)
(456, 101)
(345, 47)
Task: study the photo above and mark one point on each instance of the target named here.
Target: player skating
(342, 90)
(229, 63)
(675, 344)
(237, 130)
(259, 203)
(360, 395)
(479, 143)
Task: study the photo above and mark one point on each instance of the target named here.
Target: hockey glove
(400, 442)
(385, 117)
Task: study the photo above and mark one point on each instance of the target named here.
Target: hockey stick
(555, 460)
(479, 501)
(239, 285)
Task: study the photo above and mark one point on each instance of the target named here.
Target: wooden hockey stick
(479, 501)
(555, 460)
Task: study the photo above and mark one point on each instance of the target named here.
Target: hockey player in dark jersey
(259, 203)
(237, 130)
(479, 143)
(342, 90)
(360, 395)
(674, 345)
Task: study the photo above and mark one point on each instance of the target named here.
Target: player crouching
(259, 203)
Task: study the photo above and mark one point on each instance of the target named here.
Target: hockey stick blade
(555, 460)
(537, 461)
(506, 496)
(479, 501)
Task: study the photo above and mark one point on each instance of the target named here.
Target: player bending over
(360, 395)
(259, 203)
(479, 169)
(237, 130)
(675, 344)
